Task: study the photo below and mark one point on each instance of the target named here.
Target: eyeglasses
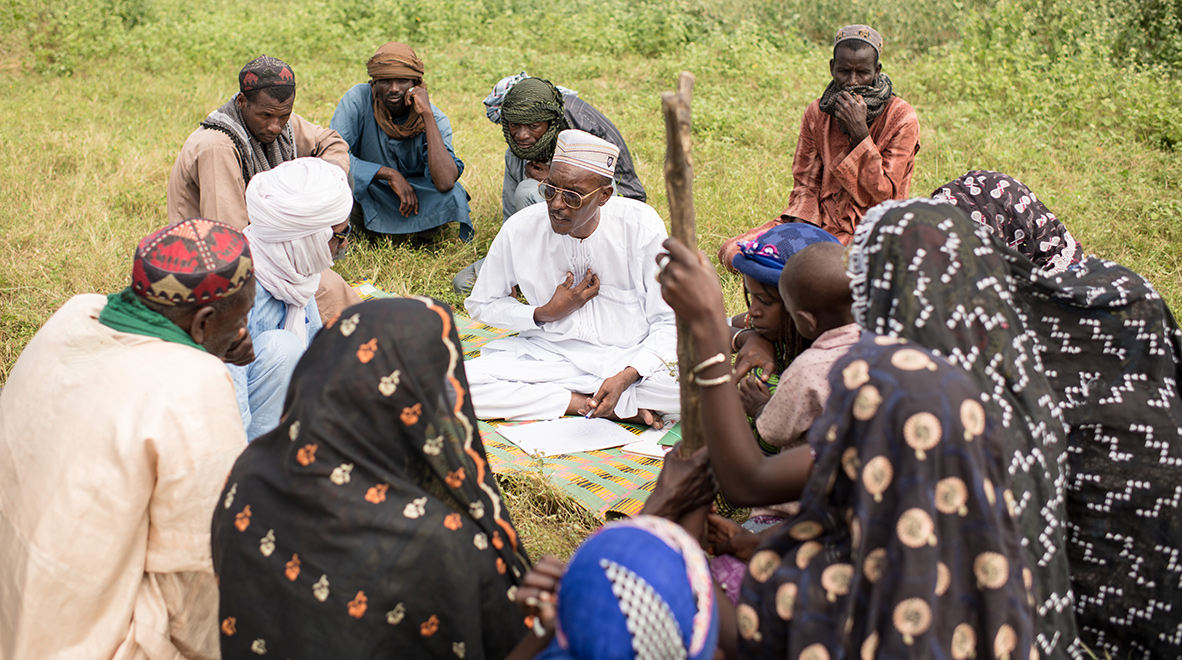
(343, 235)
(569, 197)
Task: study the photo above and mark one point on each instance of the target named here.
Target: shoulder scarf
(125, 312)
(410, 127)
(255, 156)
(903, 544)
(877, 96)
(1016, 216)
(369, 520)
(1081, 369)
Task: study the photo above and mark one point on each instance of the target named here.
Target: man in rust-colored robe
(857, 145)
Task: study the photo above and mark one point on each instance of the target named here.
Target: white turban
(586, 151)
(292, 209)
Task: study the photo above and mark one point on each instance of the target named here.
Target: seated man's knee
(527, 194)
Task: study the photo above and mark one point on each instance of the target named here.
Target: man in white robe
(596, 338)
(117, 431)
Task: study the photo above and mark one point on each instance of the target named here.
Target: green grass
(98, 96)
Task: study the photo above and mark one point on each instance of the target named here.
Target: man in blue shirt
(299, 217)
(404, 168)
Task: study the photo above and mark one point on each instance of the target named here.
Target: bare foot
(578, 404)
(646, 418)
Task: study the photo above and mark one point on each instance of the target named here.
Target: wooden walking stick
(679, 186)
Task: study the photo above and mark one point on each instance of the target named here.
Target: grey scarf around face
(877, 96)
(255, 156)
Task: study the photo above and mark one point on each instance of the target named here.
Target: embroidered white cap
(583, 150)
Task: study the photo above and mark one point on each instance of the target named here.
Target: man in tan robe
(857, 145)
(118, 427)
(253, 132)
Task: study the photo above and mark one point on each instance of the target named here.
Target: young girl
(767, 336)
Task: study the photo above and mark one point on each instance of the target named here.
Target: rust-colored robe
(834, 184)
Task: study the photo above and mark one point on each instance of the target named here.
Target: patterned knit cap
(265, 72)
(193, 262)
(638, 588)
(863, 33)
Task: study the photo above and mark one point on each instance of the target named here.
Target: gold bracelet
(707, 363)
(711, 382)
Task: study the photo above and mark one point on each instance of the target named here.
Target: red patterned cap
(263, 72)
(194, 261)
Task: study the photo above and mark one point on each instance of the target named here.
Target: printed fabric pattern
(1082, 370)
(904, 546)
(369, 520)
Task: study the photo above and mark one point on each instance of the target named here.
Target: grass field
(1069, 97)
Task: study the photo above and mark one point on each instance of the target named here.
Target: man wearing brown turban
(404, 168)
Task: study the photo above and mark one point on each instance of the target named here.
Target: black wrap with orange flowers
(368, 524)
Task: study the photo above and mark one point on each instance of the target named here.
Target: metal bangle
(735, 338)
(711, 382)
(707, 363)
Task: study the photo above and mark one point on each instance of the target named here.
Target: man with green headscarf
(532, 112)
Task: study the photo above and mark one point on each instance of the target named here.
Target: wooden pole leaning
(679, 187)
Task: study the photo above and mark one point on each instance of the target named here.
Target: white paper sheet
(649, 444)
(567, 435)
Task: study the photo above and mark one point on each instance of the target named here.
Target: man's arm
(319, 142)
(873, 173)
(193, 456)
(492, 301)
(514, 167)
(346, 121)
(659, 348)
(440, 161)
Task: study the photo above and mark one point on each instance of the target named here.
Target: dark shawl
(368, 524)
(1094, 350)
(1003, 204)
(904, 546)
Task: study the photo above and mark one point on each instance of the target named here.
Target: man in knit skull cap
(118, 428)
(857, 144)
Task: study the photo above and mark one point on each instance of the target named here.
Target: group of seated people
(959, 436)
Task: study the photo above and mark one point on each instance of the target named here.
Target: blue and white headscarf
(638, 588)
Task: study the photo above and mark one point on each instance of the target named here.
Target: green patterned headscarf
(530, 101)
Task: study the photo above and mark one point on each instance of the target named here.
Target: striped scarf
(255, 156)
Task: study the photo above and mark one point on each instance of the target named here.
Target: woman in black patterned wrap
(368, 524)
(1081, 371)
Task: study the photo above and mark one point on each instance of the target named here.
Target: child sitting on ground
(816, 294)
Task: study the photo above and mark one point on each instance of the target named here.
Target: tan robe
(833, 184)
(206, 180)
(114, 448)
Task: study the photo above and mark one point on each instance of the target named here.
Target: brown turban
(395, 60)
